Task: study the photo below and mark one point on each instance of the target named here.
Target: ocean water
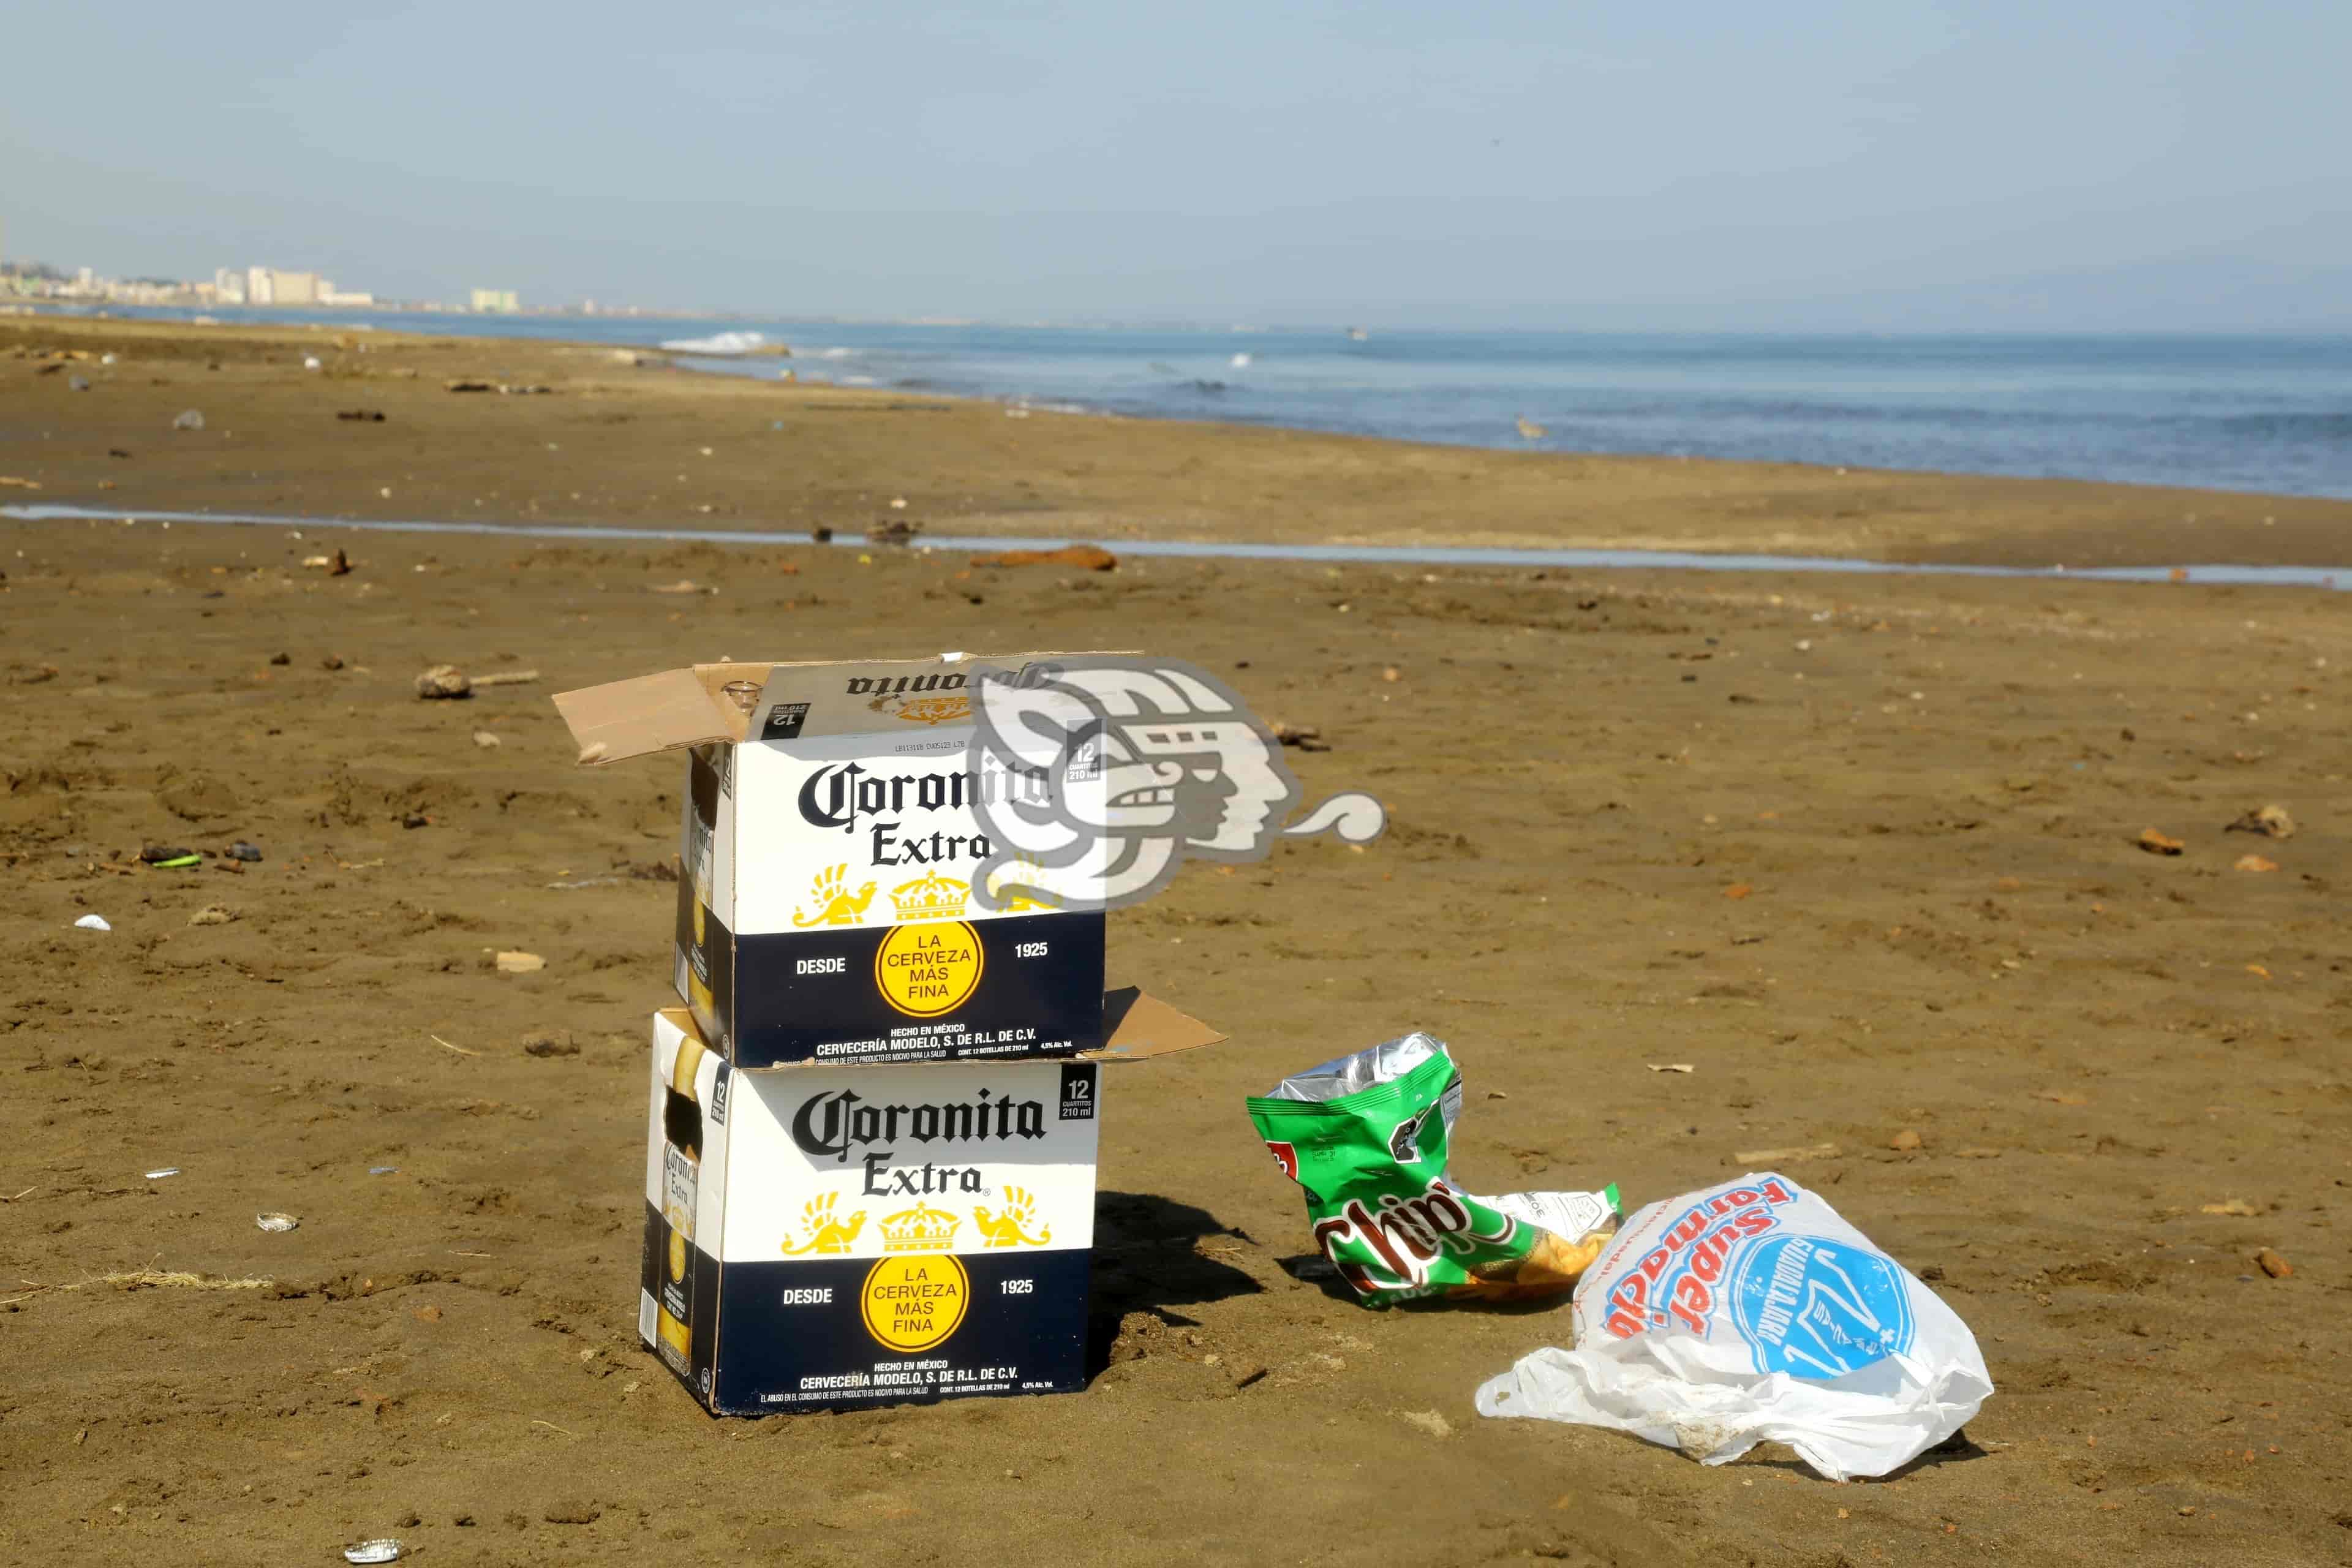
(2266, 414)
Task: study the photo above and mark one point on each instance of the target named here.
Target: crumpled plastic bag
(1751, 1312)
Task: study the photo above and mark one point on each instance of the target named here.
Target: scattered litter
(274, 1220)
(2060, 1097)
(2254, 863)
(92, 923)
(2272, 1264)
(683, 586)
(1429, 1421)
(166, 855)
(1786, 1156)
(189, 419)
(1737, 890)
(444, 681)
(448, 1047)
(550, 1043)
(2156, 843)
(159, 1172)
(1671, 1066)
(1372, 1131)
(485, 740)
(2237, 1207)
(385, 1549)
(898, 530)
(77, 384)
(2270, 821)
(361, 416)
(461, 383)
(520, 962)
(212, 915)
(12, 481)
(1086, 557)
(1907, 1142)
(241, 850)
(1529, 430)
(1751, 1312)
(384, 1170)
(310, 362)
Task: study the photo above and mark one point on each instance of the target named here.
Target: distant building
(259, 288)
(228, 285)
(496, 301)
(331, 295)
(295, 287)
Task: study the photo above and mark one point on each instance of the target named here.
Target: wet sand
(1859, 850)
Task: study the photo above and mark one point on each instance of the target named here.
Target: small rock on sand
(444, 681)
(2156, 843)
(2270, 821)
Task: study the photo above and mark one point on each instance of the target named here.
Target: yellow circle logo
(929, 969)
(677, 1256)
(912, 1302)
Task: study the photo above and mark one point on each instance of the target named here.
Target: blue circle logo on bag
(1820, 1310)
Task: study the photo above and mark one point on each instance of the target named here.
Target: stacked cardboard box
(871, 1136)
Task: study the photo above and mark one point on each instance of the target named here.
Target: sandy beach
(1861, 852)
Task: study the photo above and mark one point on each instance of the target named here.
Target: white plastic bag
(1750, 1312)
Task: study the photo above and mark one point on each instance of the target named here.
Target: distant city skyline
(1824, 164)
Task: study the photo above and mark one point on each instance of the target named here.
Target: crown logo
(931, 898)
(919, 1229)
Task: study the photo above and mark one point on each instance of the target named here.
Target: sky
(1809, 163)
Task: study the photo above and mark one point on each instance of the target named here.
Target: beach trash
(1367, 1137)
(92, 923)
(384, 1549)
(274, 1221)
(1751, 1312)
(189, 419)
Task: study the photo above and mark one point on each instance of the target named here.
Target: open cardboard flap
(1137, 1028)
(707, 703)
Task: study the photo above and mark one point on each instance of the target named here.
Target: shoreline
(980, 464)
(796, 340)
(2209, 574)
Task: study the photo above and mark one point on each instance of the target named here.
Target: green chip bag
(1366, 1138)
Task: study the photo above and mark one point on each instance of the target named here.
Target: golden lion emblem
(826, 1234)
(835, 905)
(1010, 1227)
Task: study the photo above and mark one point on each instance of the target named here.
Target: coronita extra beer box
(823, 1236)
(833, 830)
